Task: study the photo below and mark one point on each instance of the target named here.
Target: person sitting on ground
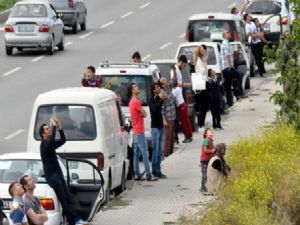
(217, 169)
(89, 79)
(36, 214)
(136, 57)
(17, 213)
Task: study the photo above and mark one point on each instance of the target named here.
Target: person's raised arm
(62, 140)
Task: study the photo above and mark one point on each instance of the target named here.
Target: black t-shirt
(155, 111)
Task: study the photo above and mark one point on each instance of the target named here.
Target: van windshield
(78, 121)
(211, 30)
(264, 7)
(188, 51)
(120, 83)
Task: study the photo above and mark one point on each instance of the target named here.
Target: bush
(6, 4)
(265, 186)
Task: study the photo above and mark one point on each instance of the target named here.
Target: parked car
(241, 60)
(72, 12)
(164, 66)
(92, 122)
(274, 15)
(118, 76)
(33, 24)
(85, 183)
(209, 27)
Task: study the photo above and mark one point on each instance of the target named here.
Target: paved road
(115, 30)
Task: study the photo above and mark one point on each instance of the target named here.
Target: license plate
(6, 203)
(26, 28)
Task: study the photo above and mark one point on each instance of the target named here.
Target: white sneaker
(201, 129)
(81, 222)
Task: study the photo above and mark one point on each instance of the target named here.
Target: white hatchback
(86, 185)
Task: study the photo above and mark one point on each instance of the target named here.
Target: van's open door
(85, 183)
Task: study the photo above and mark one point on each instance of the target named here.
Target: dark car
(72, 12)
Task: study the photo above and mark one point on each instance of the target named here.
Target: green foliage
(6, 4)
(264, 186)
(287, 61)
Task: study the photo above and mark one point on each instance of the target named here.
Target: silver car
(34, 24)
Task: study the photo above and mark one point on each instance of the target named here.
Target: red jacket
(205, 157)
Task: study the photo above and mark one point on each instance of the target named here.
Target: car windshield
(29, 10)
(264, 7)
(188, 51)
(120, 83)
(13, 169)
(78, 121)
(210, 30)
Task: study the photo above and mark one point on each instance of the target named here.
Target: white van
(118, 76)
(91, 120)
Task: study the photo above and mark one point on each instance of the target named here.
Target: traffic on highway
(81, 115)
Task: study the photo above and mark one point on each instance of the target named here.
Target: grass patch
(264, 187)
(6, 4)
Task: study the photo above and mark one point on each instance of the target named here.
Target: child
(216, 93)
(89, 79)
(206, 152)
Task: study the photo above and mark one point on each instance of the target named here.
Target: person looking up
(36, 214)
(17, 213)
(138, 114)
(89, 78)
(53, 173)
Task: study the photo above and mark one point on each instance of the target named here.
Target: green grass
(264, 184)
(6, 4)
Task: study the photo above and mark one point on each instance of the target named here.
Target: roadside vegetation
(264, 187)
(6, 4)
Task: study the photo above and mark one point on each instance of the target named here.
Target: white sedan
(83, 178)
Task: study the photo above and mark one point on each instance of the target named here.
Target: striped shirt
(225, 51)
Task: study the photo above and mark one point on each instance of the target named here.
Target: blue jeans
(157, 139)
(140, 144)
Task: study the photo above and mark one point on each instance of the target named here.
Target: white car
(241, 60)
(86, 185)
(267, 12)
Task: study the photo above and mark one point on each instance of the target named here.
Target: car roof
(126, 68)
(75, 95)
(20, 155)
(163, 61)
(218, 15)
(32, 2)
(187, 44)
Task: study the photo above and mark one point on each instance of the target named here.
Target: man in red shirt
(139, 140)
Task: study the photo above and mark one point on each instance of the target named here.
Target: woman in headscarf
(217, 169)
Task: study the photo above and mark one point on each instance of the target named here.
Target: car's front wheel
(9, 50)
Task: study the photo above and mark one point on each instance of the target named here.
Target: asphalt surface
(115, 29)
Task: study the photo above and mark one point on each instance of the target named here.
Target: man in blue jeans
(138, 114)
(53, 173)
(157, 126)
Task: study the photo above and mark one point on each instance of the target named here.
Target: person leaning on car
(52, 170)
(36, 214)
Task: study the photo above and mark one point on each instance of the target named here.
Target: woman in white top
(202, 98)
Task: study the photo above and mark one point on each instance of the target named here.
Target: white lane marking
(146, 57)
(145, 5)
(12, 71)
(165, 45)
(14, 134)
(107, 24)
(182, 35)
(127, 14)
(232, 5)
(86, 35)
(68, 43)
(38, 58)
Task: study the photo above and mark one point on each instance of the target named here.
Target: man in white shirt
(175, 72)
(254, 36)
(182, 107)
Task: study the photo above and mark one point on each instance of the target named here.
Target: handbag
(198, 82)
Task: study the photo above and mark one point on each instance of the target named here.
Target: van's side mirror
(75, 176)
